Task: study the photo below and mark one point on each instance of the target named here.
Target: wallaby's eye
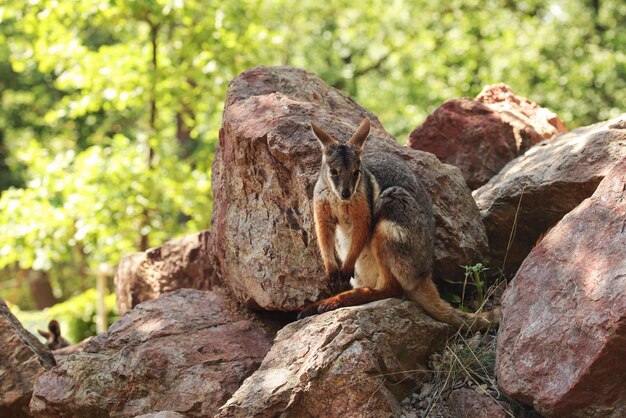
(333, 172)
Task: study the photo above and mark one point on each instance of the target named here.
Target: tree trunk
(40, 289)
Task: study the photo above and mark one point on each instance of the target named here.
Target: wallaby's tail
(427, 295)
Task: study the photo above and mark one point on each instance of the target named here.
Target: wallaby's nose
(345, 194)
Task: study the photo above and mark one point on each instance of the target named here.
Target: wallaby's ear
(361, 133)
(322, 136)
(43, 333)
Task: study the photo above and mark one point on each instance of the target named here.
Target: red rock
(265, 169)
(355, 362)
(481, 135)
(468, 135)
(187, 352)
(562, 341)
(181, 263)
(551, 179)
(23, 358)
(466, 403)
(531, 123)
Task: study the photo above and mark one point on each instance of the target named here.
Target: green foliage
(476, 279)
(475, 276)
(95, 202)
(77, 316)
(110, 109)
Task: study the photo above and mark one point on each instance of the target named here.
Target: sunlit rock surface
(352, 362)
(185, 262)
(185, 352)
(562, 341)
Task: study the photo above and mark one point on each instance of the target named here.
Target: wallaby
(375, 229)
(53, 337)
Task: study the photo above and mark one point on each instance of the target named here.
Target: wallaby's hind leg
(353, 297)
(418, 285)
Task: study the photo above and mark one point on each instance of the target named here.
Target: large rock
(467, 403)
(481, 135)
(353, 362)
(562, 341)
(181, 263)
(531, 123)
(23, 358)
(265, 169)
(551, 179)
(186, 352)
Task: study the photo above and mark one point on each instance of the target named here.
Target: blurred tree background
(111, 108)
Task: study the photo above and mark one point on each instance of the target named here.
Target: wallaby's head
(341, 162)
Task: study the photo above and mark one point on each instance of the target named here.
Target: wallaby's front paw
(328, 305)
(308, 311)
(346, 275)
(339, 281)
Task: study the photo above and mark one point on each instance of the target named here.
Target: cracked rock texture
(23, 358)
(551, 179)
(353, 362)
(186, 352)
(562, 341)
(266, 166)
(185, 262)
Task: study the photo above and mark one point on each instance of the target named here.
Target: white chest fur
(366, 269)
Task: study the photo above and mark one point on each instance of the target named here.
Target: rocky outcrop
(185, 352)
(265, 169)
(181, 263)
(531, 123)
(468, 135)
(547, 182)
(562, 341)
(467, 403)
(481, 135)
(162, 414)
(353, 362)
(23, 358)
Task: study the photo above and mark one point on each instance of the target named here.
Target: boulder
(180, 263)
(531, 123)
(265, 168)
(353, 362)
(547, 182)
(481, 135)
(23, 358)
(467, 403)
(562, 341)
(162, 414)
(468, 135)
(187, 352)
